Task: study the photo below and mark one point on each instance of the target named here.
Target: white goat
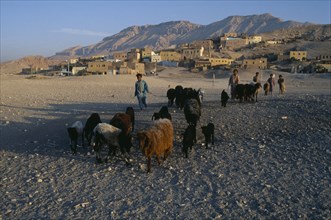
(105, 135)
(75, 131)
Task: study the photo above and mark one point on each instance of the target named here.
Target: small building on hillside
(99, 67)
(192, 53)
(220, 61)
(201, 64)
(146, 54)
(126, 68)
(76, 69)
(324, 57)
(254, 39)
(73, 60)
(208, 44)
(122, 56)
(260, 63)
(170, 55)
(155, 57)
(274, 42)
(32, 70)
(282, 57)
(298, 55)
(134, 55)
(235, 43)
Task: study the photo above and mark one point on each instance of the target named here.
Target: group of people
(234, 81)
(141, 87)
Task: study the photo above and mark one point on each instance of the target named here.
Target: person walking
(233, 82)
(141, 90)
(281, 83)
(271, 82)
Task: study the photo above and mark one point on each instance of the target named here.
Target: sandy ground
(271, 159)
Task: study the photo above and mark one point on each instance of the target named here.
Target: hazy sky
(46, 27)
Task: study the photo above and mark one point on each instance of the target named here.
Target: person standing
(256, 78)
(271, 82)
(281, 83)
(233, 82)
(141, 90)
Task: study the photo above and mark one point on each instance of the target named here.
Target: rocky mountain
(309, 32)
(167, 34)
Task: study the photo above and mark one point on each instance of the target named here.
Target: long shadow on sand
(45, 132)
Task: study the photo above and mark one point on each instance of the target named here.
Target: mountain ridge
(166, 34)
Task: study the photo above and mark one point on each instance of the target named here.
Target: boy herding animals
(281, 85)
(141, 90)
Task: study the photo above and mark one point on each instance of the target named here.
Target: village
(224, 53)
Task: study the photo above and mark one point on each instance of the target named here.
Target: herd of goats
(158, 139)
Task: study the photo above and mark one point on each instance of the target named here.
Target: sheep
(192, 111)
(105, 135)
(189, 138)
(123, 122)
(208, 132)
(158, 140)
(75, 131)
(90, 124)
(224, 98)
(171, 94)
(130, 111)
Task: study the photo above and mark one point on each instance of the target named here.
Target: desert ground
(271, 159)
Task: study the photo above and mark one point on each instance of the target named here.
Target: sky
(46, 27)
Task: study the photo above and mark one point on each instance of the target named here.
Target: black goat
(224, 98)
(192, 111)
(189, 138)
(171, 94)
(90, 124)
(208, 132)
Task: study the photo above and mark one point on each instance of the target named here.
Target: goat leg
(158, 159)
(148, 164)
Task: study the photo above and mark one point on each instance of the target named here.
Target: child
(141, 89)
(271, 82)
(281, 84)
(256, 78)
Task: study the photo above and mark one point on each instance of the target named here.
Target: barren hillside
(16, 66)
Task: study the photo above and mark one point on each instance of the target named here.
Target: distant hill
(307, 32)
(167, 34)
(16, 66)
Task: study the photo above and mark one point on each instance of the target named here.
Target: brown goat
(157, 140)
(266, 88)
(123, 122)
